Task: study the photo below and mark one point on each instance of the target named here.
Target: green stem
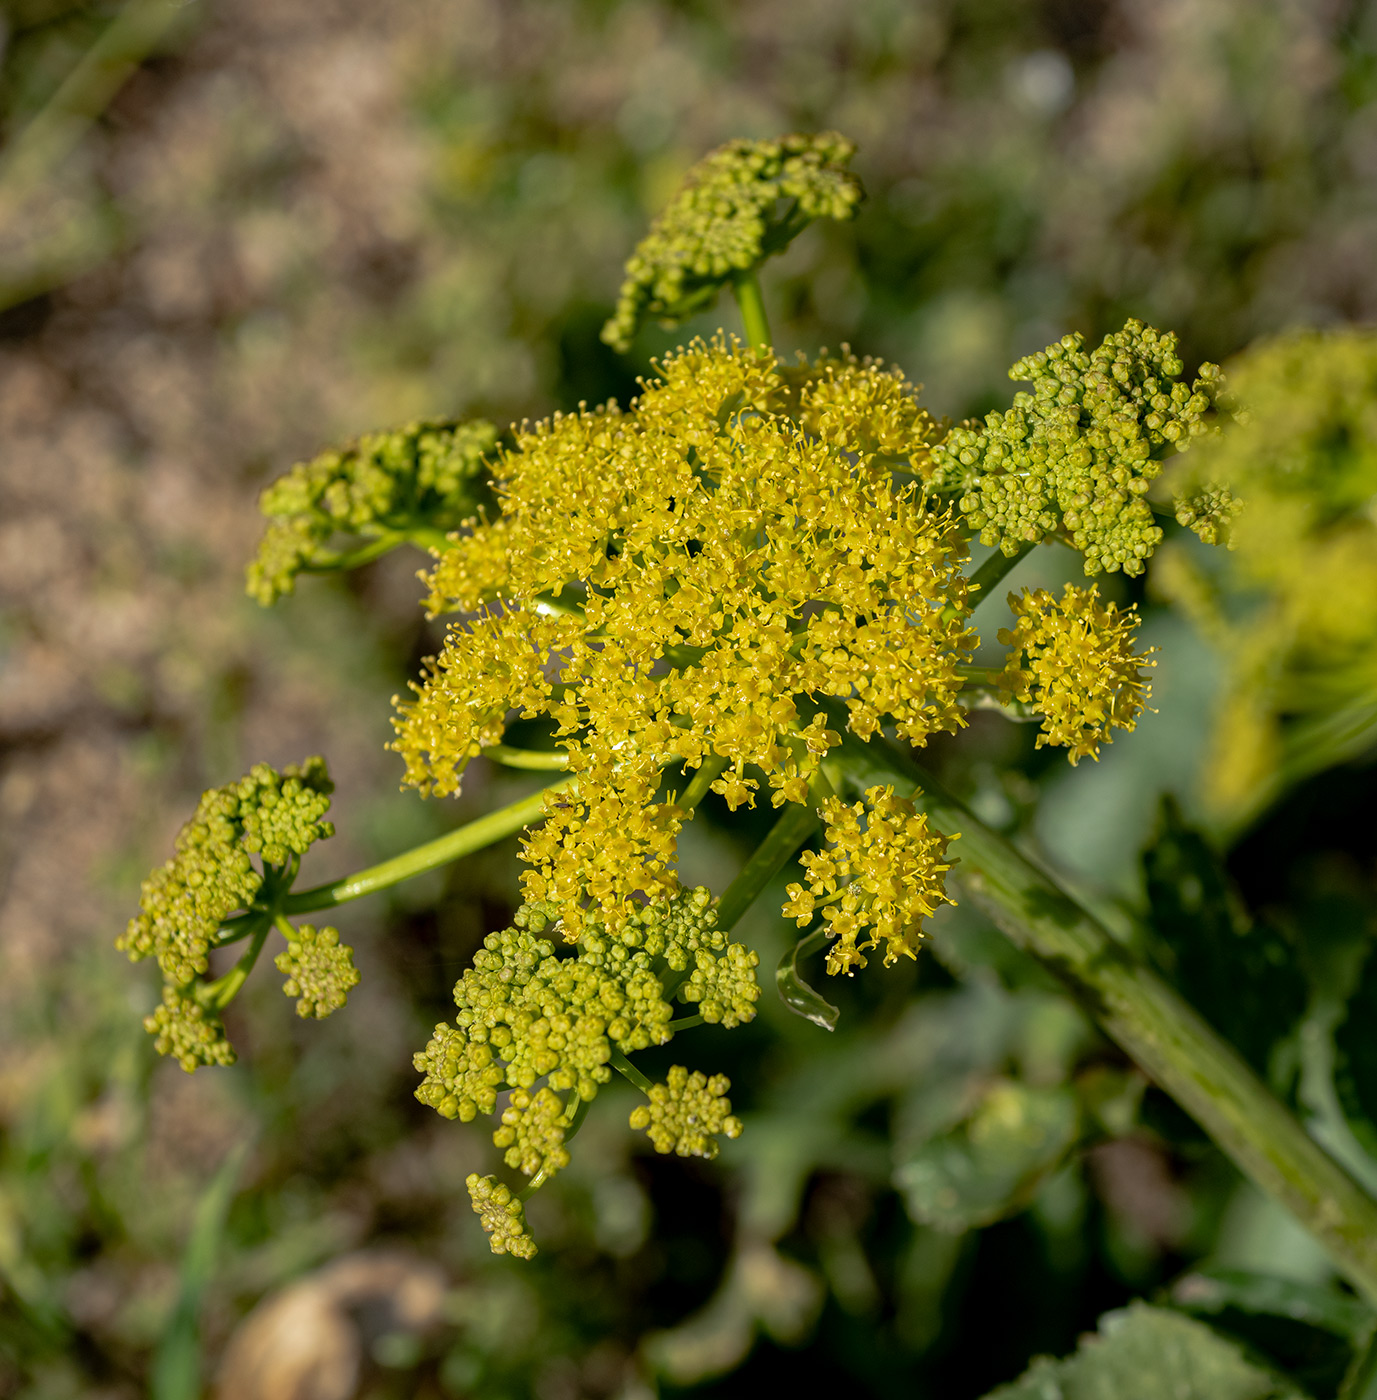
(708, 773)
(223, 990)
(544, 1174)
(1161, 1032)
(751, 301)
(326, 563)
(462, 842)
(790, 832)
(624, 1067)
(536, 760)
(997, 567)
(684, 1023)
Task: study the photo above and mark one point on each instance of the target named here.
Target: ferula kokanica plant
(755, 580)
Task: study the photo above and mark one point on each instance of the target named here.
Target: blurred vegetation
(242, 232)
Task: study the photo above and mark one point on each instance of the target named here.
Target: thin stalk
(1161, 1032)
(535, 760)
(684, 1023)
(627, 1070)
(751, 301)
(997, 567)
(327, 563)
(223, 990)
(790, 832)
(708, 773)
(461, 842)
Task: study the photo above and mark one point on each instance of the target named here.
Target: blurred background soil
(297, 221)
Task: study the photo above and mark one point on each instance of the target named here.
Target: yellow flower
(679, 580)
(883, 877)
(1072, 659)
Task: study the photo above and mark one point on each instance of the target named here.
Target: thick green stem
(996, 568)
(464, 841)
(750, 300)
(790, 832)
(1162, 1033)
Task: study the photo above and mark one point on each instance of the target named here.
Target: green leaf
(991, 1164)
(1241, 976)
(1146, 1353)
(795, 993)
(1307, 1330)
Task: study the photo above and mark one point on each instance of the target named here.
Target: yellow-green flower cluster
(685, 1114)
(276, 816)
(526, 1013)
(187, 1031)
(1209, 511)
(502, 1216)
(680, 580)
(1072, 659)
(430, 476)
(1293, 606)
(737, 206)
(1079, 453)
(319, 969)
(883, 873)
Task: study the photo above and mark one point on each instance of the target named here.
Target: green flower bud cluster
(721, 978)
(1080, 451)
(188, 1032)
(532, 1132)
(276, 816)
(502, 1216)
(319, 969)
(426, 476)
(685, 1114)
(1209, 511)
(529, 1009)
(726, 218)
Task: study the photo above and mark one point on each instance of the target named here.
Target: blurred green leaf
(176, 1371)
(991, 1164)
(1241, 976)
(1146, 1353)
(1307, 1330)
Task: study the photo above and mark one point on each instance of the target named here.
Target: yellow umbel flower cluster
(1072, 659)
(678, 581)
(884, 873)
